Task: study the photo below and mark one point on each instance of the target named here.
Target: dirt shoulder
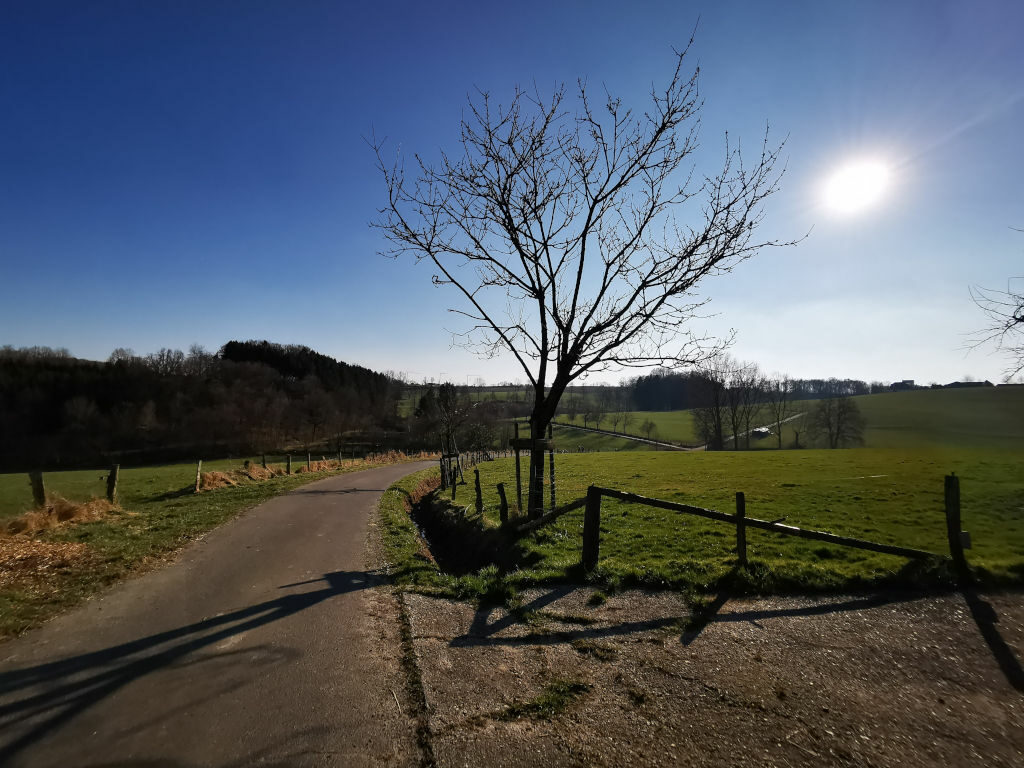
(907, 681)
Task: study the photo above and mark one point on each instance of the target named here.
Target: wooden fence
(958, 539)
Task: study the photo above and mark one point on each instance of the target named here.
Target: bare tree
(742, 399)
(799, 428)
(560, 229)
(836, 419)
(753, 383)
(1005, 313)
(709, 391)
(627, 419)
(779, 397)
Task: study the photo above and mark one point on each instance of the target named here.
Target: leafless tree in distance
(711, 414)
(563, 229)
(836, 419)
(743, 401)
(779, 396)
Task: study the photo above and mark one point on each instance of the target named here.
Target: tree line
(731, 401)
(250, 396)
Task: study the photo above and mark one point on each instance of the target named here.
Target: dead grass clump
(257, 473)
(209, 481)
(252, 472)
(25, 560)
(426, 487)
(58, 511)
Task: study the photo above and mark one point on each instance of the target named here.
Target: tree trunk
(535, 498)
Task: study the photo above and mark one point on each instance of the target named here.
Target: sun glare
(857, 186)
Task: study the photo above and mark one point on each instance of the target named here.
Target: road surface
(257, 646)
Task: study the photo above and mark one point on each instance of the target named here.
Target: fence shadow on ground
(37, 699)
(483, 632)
(986, 618)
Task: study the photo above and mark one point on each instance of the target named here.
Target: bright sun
(857, 186)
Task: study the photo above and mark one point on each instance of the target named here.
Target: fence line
(957, 539)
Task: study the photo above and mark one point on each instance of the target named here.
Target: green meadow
(670, 426)
(885, 495)
(572, 440)
(889, 491)
(137, 486)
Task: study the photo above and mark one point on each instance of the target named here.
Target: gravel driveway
(845, 680)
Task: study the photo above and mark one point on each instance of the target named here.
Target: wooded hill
(60, 411)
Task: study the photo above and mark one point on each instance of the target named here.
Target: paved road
(262, 645)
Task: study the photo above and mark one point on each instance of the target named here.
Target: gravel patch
(900, 680)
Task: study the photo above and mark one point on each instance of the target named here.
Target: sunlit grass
(888, 496)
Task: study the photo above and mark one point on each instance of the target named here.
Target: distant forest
(57, 411)
(251, 396)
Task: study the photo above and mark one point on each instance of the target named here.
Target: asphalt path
(257, 646)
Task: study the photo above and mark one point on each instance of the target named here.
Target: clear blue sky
(176, 172)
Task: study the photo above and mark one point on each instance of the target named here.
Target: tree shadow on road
(36, 700)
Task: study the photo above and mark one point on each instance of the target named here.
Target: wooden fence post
(444, 472)
(289, 464)
(263, 460)
(503, 510)
(454, 484)
(519, 470)
(551, 463)
(479, 493)
(38, 491)
(309, 461)
(741, 529)
(592, 529)
(953, 532)
(112, 483)
(199, 474)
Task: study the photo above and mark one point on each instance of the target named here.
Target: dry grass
(59, 511)
(28, 562)
(259, 473)
(210, 481)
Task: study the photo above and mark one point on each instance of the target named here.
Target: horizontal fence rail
(753, 522)
(957, 538)
(541, 521)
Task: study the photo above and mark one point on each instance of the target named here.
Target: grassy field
(990, 417)
(573, 439)
(136, 485)
(885, 495)
(890, 491)
(670, 426)
(982, 417)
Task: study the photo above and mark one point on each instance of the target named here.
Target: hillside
(982, 417)
(970, 418)
(60, 412)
